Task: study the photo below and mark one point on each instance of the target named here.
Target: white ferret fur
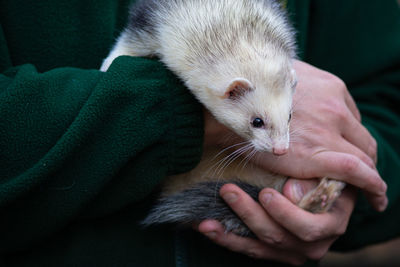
(236, 57)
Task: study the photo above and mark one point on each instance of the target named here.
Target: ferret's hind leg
(321, 198)
(127, 45)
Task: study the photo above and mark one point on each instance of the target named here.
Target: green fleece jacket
(81, 152)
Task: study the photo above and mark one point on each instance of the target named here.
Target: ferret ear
(237, 88)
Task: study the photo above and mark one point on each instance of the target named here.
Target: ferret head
(259, 108)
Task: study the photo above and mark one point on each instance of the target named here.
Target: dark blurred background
(382, 255)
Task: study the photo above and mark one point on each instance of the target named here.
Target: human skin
(285, 232)
(328, 139)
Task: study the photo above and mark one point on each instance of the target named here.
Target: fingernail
(297, 190)
(211, 235)
(266, 197)
(230, 197)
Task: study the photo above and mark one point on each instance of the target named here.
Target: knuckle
(335, 81)
(275, 239)
(341, 113)
(336, 108)
(254, 252)
(339, 83)
(357, 115)
(313, 234)
(340, 230)
(349, 164)
(325, 75)
(373, 148)
(370, 162)
(367, 160)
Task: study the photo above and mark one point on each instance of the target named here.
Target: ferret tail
(198, 203)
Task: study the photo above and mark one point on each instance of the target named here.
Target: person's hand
(285, 232)
(327, 138)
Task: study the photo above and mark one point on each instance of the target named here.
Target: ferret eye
(258, 123)
(290, 117)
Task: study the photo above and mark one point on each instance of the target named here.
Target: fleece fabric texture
(82, 152)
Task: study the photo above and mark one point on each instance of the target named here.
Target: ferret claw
(321, 198)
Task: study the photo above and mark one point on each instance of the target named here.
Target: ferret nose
(279, 151)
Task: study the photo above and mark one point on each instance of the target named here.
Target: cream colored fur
(211, 44)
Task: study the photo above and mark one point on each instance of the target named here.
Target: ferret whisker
(229, 147)
(222, 163)
(230, 137)
(249, 157)
(226, 161)
(233, 156)
(219, 162)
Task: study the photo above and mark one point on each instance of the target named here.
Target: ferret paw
(321, 198)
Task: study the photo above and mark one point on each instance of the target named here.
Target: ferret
(236, 57)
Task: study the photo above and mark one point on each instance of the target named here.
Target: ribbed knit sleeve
(82, 143)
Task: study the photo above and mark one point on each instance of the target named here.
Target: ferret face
(268, 122)
(259, 112)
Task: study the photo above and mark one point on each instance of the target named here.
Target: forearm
(83, 143)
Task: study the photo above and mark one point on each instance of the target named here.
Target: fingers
(349, 168)
(267, 230)
(355, 133)
(352, 105)
(253, 215)
(316, 233)
(257, 249)
(270, 231)
(379, 203)
(275, 241)
(248, 246)
(305, 225)
(346, 147)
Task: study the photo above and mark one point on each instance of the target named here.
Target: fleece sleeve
(79, 142)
